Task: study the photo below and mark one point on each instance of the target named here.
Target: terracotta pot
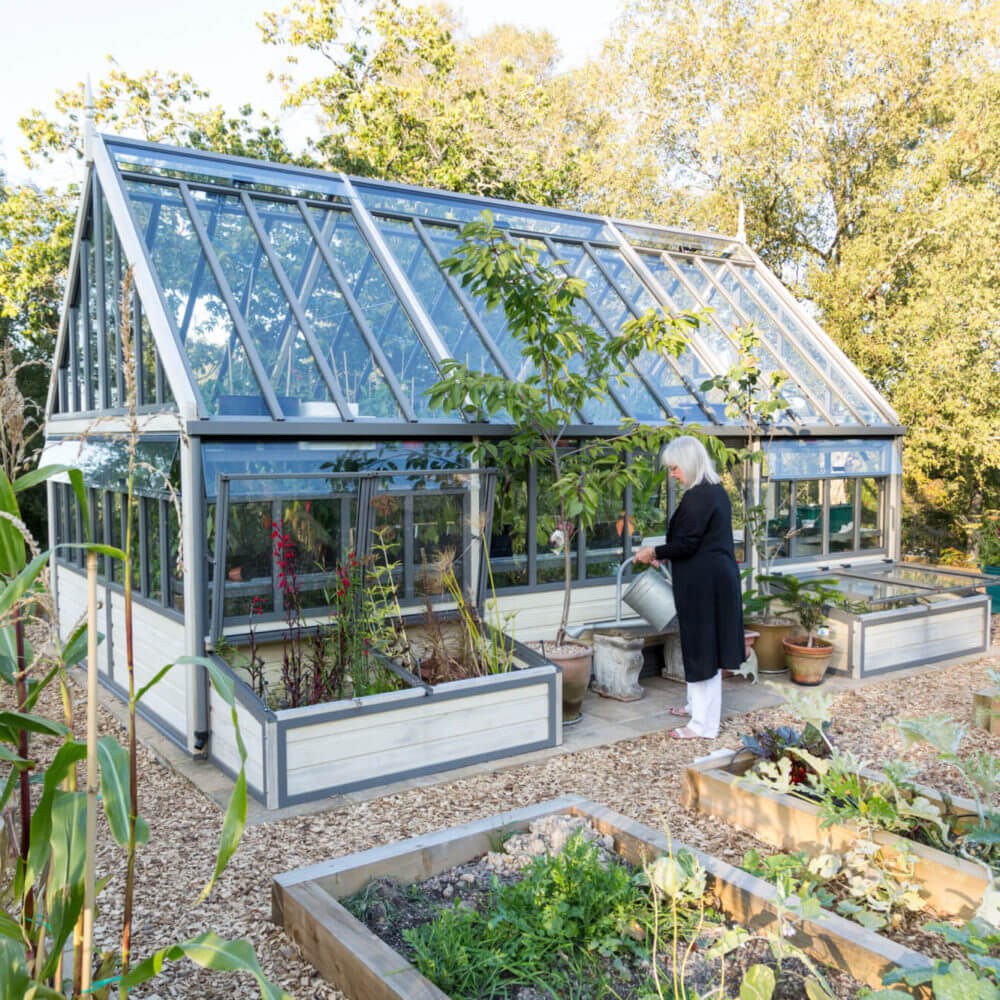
(575, 667)
(770, 652)
(807, 664)
(749, 638)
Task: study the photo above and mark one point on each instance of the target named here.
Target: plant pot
(574, 661)
(807, 664)
(770, 652)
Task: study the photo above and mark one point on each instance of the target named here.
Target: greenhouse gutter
(365, 430)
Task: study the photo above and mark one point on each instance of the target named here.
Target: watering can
(651, 595)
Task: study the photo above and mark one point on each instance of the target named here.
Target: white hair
(692, 458)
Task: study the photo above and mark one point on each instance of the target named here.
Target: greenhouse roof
(286, 294)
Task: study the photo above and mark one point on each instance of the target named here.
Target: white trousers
(705, 706)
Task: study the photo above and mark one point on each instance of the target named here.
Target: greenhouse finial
(741, 229)
(89, 119)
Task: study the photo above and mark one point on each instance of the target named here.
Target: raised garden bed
(950, 885)
(313, 751)
(307, 902)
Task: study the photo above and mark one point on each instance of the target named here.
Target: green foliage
(405, 97)
(539, 932)
(805, 599)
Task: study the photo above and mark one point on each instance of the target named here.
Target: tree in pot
(569, 371)
(807, 656)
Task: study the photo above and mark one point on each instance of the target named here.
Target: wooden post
(89, 873)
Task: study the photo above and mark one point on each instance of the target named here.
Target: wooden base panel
(951, 886)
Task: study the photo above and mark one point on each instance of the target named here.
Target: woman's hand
(647, 554)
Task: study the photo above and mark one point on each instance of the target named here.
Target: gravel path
(640, 778)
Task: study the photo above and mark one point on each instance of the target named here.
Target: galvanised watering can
(651, 595)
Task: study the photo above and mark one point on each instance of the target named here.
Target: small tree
(755, 400)
(568, 367)
(807, 600)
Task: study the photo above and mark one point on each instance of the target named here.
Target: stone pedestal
(617, 662)
(673, 662)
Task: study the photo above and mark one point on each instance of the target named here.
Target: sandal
(683, 734)
(680, 712)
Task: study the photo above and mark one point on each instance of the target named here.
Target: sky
(52, 44)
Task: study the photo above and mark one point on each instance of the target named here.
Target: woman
(706, 582)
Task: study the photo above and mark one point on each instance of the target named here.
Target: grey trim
(353, 710)
(240, 324)
(296, 306)
(364, 328)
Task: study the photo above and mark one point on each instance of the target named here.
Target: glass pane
(255, 174)
(605, 539)
(94, 399)
(147, 365)
(807, 539)
(552, 536)
(214, 351)
(104, 462)
(248, 567)
(508, 546)
(439, 302)
(154, 557)
(668, 239)
(387, 552)
(96, 501)
(313, 549)
(736, 501)
(841, 515)
(867, 590)
(175, 567)
(392, 328)
(275, 333)
(777, 500)
(790, 356)
(814, 458)
(135, 540)
(808, 343)
(112, 329)
(605, 300)
(438, 544)
(444, 206)
(872, 491)
(117, 537)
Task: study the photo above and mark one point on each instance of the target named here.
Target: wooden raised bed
(305, 902)
(950, 885)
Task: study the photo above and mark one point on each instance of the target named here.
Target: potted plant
(806, 656)
(769, 630)
(568, 368)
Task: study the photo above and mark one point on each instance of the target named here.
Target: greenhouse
(286, 325)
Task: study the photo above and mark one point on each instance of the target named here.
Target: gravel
(641, 778)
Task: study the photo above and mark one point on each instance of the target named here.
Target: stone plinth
(673, 661)
(617, 662)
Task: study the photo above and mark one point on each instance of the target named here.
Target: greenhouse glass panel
(789, 355)
(661, 372)
(659, 238)
(508, 552)
(817, 459)
(807, 538)
(451, 208)
(777, 501)
(871, 513)
(552, 536)
(286, 357)
(297, 462)
(112, 332)
(440, 304)
(258, 175)
(831, 370)
(842, 515)
(404, 351)
(872, 591)
(605, 302)
(215, 354)
(104, 463)
(94, 329)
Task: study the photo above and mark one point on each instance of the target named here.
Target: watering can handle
(618, 585)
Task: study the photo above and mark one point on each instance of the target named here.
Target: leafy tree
(569, 368)
(862, 138)
(405, 98)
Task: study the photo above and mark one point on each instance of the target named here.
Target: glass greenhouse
(287, 324)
